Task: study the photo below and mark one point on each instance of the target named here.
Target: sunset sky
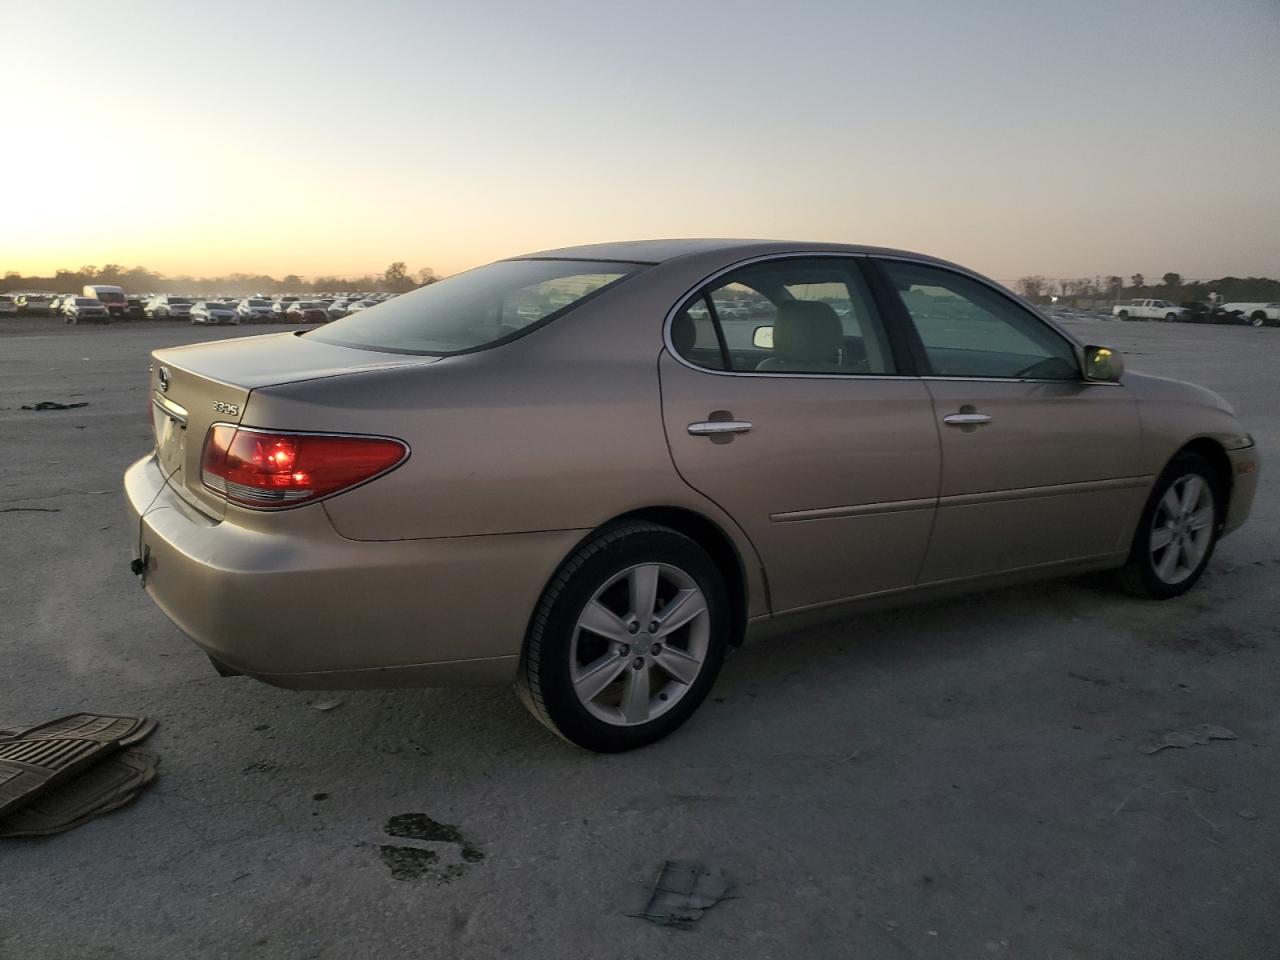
(1015, 136)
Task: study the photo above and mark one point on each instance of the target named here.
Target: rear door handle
(966, 419)
(714, 428)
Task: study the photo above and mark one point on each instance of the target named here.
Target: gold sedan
(592, 471)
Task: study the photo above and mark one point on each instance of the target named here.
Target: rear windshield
(475, 309)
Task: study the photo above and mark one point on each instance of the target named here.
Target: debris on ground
(327, 704)
(54, 405)
(421, 862)
(1190, 736)
(684, 890)
(59, 775)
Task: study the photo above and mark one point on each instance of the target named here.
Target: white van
(111, 296)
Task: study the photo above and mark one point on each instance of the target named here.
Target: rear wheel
(1258, 319)
(1170, 317)
(1177, 531)
(627, 639)
(1123, 314)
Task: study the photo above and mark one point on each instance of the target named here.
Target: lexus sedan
(591, 472)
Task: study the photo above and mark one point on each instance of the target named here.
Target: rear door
(1039, 466)
(786, 403)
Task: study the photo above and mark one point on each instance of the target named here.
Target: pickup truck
(1257, 314)
(1150, 310)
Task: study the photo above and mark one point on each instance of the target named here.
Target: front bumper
(284, 598)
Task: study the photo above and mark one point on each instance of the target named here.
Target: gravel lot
(964, 779)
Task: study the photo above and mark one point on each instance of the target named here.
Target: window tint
(970, 330)
(802, 315)
(475, 309)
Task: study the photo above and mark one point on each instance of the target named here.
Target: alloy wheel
(1182, 528)
(640, 643)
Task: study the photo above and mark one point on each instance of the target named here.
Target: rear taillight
(270, 469)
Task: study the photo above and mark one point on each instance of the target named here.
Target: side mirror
(1103, 364)
(763, 337)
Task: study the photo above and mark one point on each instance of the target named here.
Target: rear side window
(795, 315)
(476, 309)
(969, 330)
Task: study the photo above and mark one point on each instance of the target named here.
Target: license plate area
(170, 422)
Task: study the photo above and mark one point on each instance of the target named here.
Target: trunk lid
(196, 386)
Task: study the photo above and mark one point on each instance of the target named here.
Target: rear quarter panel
(559, 430)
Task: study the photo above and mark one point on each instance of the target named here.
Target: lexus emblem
(164, 379)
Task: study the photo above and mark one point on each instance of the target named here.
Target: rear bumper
(286, 599)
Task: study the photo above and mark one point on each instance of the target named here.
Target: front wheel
(1176, 533)
(1123, 314)
(627, 639)
(1257, 320)
(1170, 317)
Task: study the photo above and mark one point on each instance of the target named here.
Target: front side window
(479, 308)
(971, 330)
(798, 315)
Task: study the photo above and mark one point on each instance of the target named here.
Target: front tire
(1258, 319)
(1177, 531)
(1123, 314)
(627, 639)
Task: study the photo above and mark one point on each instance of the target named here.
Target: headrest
(683, 333)
(806, 331)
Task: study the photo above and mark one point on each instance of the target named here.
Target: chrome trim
(715, 428)
(763, 258)
(857, 510)
(966, 419)
(170, 409)
(922, 260)
(1049, 490)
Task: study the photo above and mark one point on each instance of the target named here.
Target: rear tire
(1170, 317)
(1123, 314)
(627, 639)
(1258, 319)
(1177, 531)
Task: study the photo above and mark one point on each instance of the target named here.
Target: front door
(783, 404)
(1039, 466)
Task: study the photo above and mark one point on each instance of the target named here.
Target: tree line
(395, 279)
(1170, 287)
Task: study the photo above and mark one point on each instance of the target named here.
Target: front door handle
(966, 419)
(715, 428)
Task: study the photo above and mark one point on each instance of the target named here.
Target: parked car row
(286, 308)
(1251, 314)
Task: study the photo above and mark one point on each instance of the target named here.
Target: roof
(659, 251)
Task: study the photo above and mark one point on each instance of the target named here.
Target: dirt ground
(964, 779)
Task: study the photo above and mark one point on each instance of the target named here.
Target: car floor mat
(110, 784)
(43, 756)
